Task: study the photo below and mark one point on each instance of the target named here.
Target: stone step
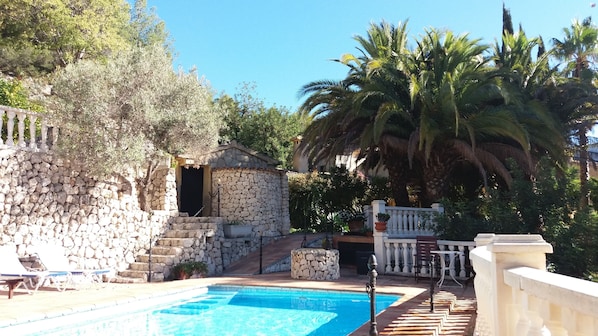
(127, 280)
(142, 275)
(143, 266)
(184, 219)
(194, 226)
(175, 242)
(166, 250)
(168, 260)
(184, 233)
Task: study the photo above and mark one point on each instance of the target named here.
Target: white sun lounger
(53, 259)
(10, 265)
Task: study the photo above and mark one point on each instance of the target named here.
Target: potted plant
(382, 218)
(186, 269)
(354, 219)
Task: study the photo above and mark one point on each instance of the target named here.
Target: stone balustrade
(32, 129)
(405, 221)
(315, 264)
(516, 296)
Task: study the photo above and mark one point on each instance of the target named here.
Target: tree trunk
(583, 169)
(143, 186)
(398, 177)
(436, 174)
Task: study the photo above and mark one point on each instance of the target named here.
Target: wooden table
(12, 282)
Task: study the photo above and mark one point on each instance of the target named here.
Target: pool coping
(25, 308)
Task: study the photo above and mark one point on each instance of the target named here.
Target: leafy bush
(547, 206)
(320, 202)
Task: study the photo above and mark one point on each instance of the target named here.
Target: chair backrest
(423, 247)
(53, 258)
(9, 261)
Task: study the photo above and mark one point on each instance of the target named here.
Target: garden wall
(47, 200)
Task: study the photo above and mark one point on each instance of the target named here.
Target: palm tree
(421, 112)
(578, 50)
(356, 111)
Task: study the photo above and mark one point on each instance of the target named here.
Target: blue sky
(282, 45)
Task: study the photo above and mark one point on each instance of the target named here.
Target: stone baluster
(32, 126)
(406, 252)
(21, 128)
(388, 267)
(54, 135)
(10, 125)
(44, 131)
(397, 254)
(1, 124)
(533, 314)
(462, 261)
(554, 320)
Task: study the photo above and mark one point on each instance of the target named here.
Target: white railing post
(505, 252)
(379, 237)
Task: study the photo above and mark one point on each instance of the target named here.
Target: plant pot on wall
(380, 226)
(355, 225)
(237, 230)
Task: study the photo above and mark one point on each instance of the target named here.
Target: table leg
(452, 269)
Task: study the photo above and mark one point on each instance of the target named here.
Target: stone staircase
(169, 249)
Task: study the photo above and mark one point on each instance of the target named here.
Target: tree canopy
(268, 130)
(132, 110)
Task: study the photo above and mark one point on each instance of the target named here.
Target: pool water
(227, 310)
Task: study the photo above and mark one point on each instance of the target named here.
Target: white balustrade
(516, 296)
(399, 256)
(37, 136)
(405, 221)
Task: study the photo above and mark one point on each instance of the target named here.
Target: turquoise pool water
(226, 310)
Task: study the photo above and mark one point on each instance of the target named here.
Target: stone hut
(238, 184)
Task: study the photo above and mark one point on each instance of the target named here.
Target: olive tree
(132, 111)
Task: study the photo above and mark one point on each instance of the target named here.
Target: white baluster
(21, 116)
(1, 124)
(10, 125)
(405, 250)
(397, 252)
(536, 327)
(556, 329)
(54, 135)
(462, 261)
(44, 144)
(388, 268)
(32, 126)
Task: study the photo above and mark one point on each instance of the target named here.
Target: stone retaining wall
(47, 200)
(315, 264)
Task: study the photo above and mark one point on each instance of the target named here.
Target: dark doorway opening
(192, 191)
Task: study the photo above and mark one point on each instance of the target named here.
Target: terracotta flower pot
(380, 226)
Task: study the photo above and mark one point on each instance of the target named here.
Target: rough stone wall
(315, 264)
(259, 197)
(46, 200)
(162, 190)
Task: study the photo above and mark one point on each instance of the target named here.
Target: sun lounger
(53, 259)
(10, 266)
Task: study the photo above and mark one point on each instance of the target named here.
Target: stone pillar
(506, 252)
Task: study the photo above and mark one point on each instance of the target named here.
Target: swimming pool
(230, 310)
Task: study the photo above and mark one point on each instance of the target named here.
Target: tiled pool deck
(412, 305)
